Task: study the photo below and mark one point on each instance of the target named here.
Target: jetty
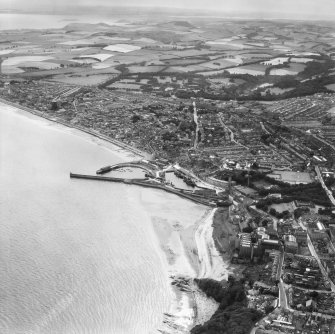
(146, 182)
(145, 165)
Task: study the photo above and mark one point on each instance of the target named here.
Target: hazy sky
(310, 8)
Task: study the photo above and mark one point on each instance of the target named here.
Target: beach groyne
(148, 184)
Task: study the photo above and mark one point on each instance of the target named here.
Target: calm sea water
(77, 256)
(9, 21)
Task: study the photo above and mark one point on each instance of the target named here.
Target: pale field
(13, 61)
(101, 66)
(283, 207)
(124, 48)
(91, 80)
(227, 42)
(189, 53)
(147, 69)
(182, 62)
(331, 87)
(145, 40)
(123, 85)
(40, 65)
(85, 61)
(254, 44)
(240, 70)
(99, 56)
(278, 91)
(129, 59)
(6, 52)
(80, 49)
(11, 70)
(276, 61)
(222, 63)
(77, 42)
(255, 69)
(306, 54)
(293, 69)
(301, 60)
(119, 38)
(281, 48)
(184, 69)
(255, 55)
(211, 73)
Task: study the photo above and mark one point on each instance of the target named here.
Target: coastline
(133, 150)
(190, 252)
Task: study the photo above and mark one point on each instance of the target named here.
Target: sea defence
(150, 169)
(149, 184)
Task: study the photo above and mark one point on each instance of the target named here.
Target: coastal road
(282, 299)
(231, 133)
(316, 256)
(328, 192)
(282, 295)
(195, 117)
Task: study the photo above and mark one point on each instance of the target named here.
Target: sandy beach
(189, 249)
(190, 253)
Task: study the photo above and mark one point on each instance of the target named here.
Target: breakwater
(148, 184)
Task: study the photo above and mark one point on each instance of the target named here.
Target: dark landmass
(233, 315)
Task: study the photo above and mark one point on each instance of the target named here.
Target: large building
(291, 245)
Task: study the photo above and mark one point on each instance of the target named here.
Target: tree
(135, 118)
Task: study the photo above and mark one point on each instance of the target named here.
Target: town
(259, 147)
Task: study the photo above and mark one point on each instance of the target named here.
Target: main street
(316, 256)
(328, 192)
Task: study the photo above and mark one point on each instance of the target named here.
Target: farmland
(221, 60)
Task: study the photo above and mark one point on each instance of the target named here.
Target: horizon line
(266, 15)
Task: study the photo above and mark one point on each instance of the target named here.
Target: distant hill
(182, 24)
(86, 27)
(176, 25)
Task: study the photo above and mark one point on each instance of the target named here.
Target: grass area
(283, 207)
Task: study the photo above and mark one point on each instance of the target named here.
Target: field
(276, 61)
(193, 53)
(293, 69)
(124, 48)
(91, 80)
(99, 56)
(278, 91)
(256, 69)
(331, 87)
(283, 207)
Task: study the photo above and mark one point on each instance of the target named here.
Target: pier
(149, 184)
(150, 169)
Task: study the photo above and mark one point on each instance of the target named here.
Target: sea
(12, 21)
(77, 256)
